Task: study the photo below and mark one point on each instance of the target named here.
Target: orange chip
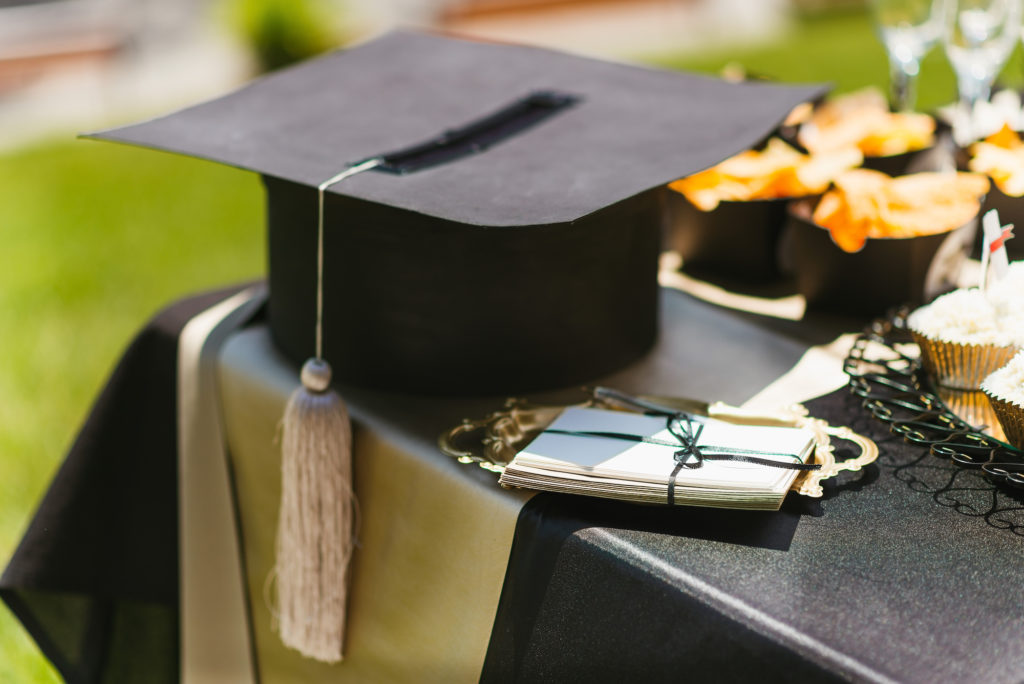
(869, 204)
(861, 181)
(1001, 157)
(799, 114)
(919, 189)
(862, 119)
(817, 173)
(832, 213)
(900, 133)
(777, 171)
(1006, 138)
(829, 208)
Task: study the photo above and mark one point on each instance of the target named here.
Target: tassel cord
(320, 190)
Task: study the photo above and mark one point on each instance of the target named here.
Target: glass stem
(902, 84)
(972, 91)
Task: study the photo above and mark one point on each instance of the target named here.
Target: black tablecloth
(906, 571)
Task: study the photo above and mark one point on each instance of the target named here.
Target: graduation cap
(469, 218)
(508, 239)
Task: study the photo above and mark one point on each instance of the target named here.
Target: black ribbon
(689, 453)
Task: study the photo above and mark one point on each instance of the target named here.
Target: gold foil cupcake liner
(972, 407)
(1011, 417)
(961, 366)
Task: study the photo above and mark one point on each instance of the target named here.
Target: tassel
(316, 524)
(316, 521)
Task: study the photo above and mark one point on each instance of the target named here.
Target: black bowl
(737, 239)
(896, 164)
(887, 272)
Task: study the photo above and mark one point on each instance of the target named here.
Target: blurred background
(94, 237)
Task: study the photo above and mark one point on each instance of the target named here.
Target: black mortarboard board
(519, 250)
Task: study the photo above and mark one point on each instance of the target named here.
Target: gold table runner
(434, 539)
(215, 641)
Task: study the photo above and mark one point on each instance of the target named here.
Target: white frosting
(1008, 294)
(1007, 383)
(971, 316)
(966, 317)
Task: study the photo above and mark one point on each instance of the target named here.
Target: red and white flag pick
(994, 261)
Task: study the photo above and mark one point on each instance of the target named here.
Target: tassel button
(316, 375)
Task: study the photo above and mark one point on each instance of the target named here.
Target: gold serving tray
(492, 441)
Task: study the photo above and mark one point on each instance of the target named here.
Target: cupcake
(1005, 391)
(965, 335)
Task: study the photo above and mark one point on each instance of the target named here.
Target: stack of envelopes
(634, 457)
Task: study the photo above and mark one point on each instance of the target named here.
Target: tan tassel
(316, 525)
(316, 521)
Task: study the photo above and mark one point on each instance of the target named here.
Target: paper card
(642, 462)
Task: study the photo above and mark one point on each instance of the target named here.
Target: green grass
(95, 237)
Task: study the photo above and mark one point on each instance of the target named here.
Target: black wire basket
(956, 425)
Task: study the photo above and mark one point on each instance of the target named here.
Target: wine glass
(979, 37)
(908, 29)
